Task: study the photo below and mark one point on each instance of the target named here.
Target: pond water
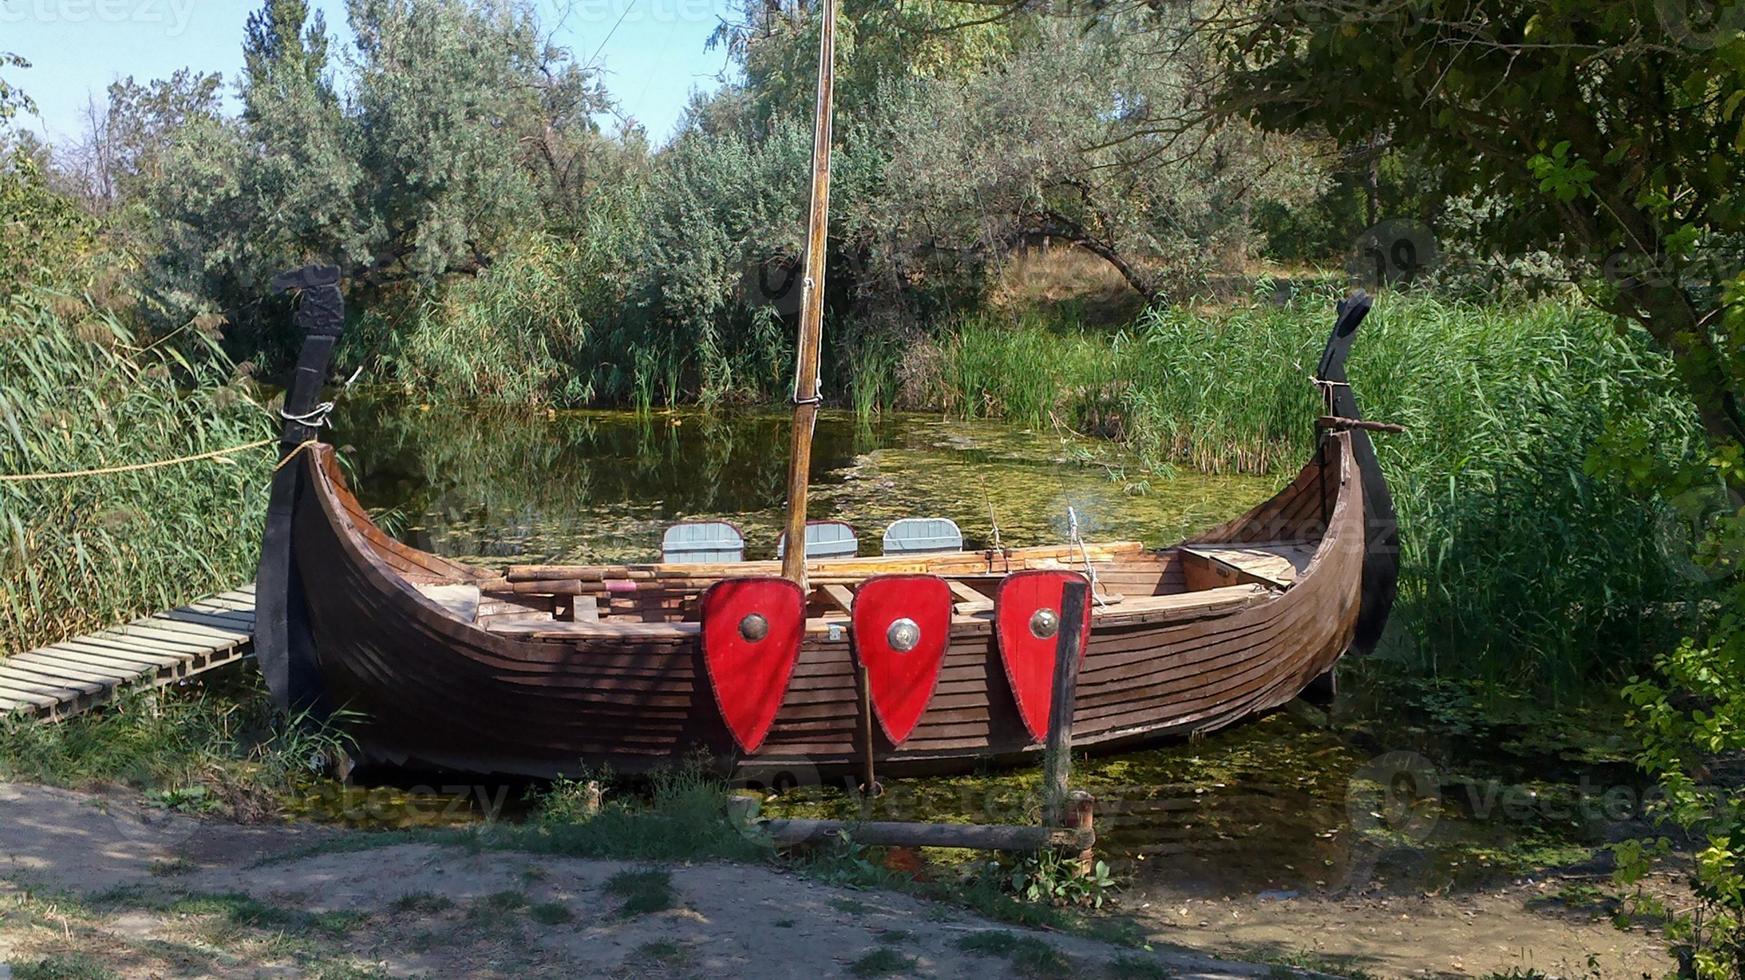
(498, 488)
(1411, 785)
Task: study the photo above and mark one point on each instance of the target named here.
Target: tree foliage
(13, 99)
(457, 120)
(1604, 130)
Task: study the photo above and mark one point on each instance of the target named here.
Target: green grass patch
(220, 749)
(642, 892)
(351, 971)
(78, 967)
(1129, 966)
(662, 953)
(421, 903)
(551, 913)
(1029, 956)
(679, 816)
(882, 963)
(173, 867)
(244, 911)
(1291, 964)
(990, 942)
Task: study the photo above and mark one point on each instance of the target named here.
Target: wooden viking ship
(924, 662)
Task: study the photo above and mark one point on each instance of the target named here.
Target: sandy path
(104, 884)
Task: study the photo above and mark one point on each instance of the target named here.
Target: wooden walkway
(63, 679)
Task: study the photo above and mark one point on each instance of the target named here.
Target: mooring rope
(133, 467)
(293, 454)
(316, 417)
(1072, 516)
(159, 463)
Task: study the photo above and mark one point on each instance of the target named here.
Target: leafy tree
(971, 130)
(776, 44)
(459, 125)
(128, 134)
(1607, 130)
(1050, 145)
(281, 35)
(48, 236)
(13, 100)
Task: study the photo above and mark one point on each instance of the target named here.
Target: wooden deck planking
(63, 679)
(1280, 563)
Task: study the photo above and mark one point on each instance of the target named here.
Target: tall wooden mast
(807, 395)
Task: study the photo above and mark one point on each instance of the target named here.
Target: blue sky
(651, 51)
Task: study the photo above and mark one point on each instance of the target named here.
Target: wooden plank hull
(431, 691)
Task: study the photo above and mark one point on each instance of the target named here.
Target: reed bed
(1523, 560)
(77, 391)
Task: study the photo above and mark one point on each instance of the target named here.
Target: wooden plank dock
(66, 678)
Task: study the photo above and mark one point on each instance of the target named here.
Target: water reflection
(501, 486)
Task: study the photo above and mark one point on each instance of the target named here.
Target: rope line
(316, 417)
(293, 454)
(133, 467)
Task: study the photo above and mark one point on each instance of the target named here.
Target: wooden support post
(1057, 758)
(871, 786)
(1081, 818)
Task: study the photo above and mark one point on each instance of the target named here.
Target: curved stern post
(283, 645)
(1381, 538)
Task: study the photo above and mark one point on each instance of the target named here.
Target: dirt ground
(1518, 927)
(102, 883)
(99, 886)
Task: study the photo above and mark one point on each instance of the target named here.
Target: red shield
(1027, 640)
(902, 625)
(751, 640)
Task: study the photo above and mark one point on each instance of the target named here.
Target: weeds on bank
(680, 818)
(78, 390)
(1520, 560)
(1131, 967)
(985, 888)
(550, 913)
(206, 752)
(235, 910)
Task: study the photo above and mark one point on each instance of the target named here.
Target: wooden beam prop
(980, 837)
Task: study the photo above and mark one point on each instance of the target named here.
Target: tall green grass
(1518, 561)
(209, 750)
(568, 322)
(79, 391)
